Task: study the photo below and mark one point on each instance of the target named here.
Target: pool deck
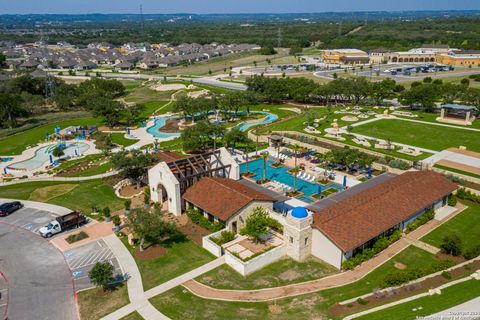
(31, 152)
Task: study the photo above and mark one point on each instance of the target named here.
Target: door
(234, 227)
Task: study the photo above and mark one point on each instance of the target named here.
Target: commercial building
(345, 56)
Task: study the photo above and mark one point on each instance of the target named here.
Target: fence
(254, 264)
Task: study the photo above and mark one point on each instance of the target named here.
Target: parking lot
(82, 259)
(26, 258)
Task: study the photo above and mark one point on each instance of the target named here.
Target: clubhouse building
(332, 229)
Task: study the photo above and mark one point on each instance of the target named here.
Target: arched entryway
(162, 197)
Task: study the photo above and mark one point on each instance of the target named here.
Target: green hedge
(76, 237)
(197, 217)
(381, 244)
(225, 236)
(403, 276)
(421, 220)
(464, 194)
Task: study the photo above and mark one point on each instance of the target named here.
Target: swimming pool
(160, 122)
(42, 155)
(281, 175)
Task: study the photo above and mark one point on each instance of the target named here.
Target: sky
(227, 6)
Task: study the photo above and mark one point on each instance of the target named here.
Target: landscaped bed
(95, 304)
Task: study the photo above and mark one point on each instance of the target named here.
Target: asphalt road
(40, 285)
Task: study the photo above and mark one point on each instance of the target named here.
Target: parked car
(9, 208)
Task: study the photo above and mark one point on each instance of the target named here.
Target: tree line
(24, 96)
(361, 91)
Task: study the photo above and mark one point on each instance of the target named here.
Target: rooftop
(374, 210)
(222, 197)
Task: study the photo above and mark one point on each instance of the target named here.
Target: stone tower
(298, 234)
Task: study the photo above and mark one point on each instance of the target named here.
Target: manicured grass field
(457, 171)
(132, 316)
(465, 225)
(119, 138)
(179, 303)
(94, 306)
(17, 143)
(82, 197)
(182, 255)
(450, 297)
(420, 135)
(277, 274)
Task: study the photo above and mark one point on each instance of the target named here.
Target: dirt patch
(113, 180)
(171, 126)
(400, 266)
(379, 298)
(289, 275)
(152, 252)
(46, 193)
(275, 309)
(188, 228)
(130, 190)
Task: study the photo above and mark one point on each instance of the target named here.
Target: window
(291, 239)
(306, 240)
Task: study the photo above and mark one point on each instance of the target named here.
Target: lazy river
(160, 122)
(42, 155)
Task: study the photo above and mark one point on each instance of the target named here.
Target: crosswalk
(104, 254)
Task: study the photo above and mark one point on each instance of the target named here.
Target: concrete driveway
(40, 285)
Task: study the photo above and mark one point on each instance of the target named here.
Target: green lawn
(182, 255)
(153, 106)
(82, 197)
(16, 144)
(450, 297)
(457, 171)
(119, 138)
(179, 303)
(465, 224)
(94, 306)
(280, 273)
(132, 316)
(420, 135)
(431, 117)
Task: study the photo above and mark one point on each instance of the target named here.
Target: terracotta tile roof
(364, 216)
(221, 197)
(167, 156)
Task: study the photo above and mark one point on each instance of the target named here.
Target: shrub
(116, 220)
(127, 204)
(452, 200)
(464, 194)
(225, 236)
(452, 244)
(399, 164)
(472, 252)
(362, 301)
(106, 212)
(76, 237)
(146, 196)
(381, 244)
(447, 275)
(421, 220)
(403, 276)
(197, 218)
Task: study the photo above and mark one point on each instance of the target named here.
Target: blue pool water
(160, 122)
(42, 155)
(281, 175)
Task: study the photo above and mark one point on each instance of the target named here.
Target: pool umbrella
(146, 151)
(345, 181)
(51, 159)
(369, 173)
(128, 130)
(47, 135)
(76, 153)
(5, 170)
(319, 191)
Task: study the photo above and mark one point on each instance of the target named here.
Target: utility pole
(142, 25)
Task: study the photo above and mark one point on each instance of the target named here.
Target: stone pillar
(467, 117)
(442, 114)
(298, 237)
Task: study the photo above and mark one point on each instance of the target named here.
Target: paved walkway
(141, 303)
(138, 300)
(333, 281)
(67, 179)
(422, 245)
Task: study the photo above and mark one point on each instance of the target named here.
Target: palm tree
(295, 171)
(265, 157)
(296, 148)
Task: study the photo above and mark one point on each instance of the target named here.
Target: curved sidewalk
(54, 179)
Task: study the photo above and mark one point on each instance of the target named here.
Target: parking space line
(94, 257)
